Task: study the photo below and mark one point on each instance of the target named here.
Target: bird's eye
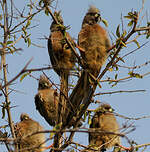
(97, 15)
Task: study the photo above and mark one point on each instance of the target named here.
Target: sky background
(73, 11)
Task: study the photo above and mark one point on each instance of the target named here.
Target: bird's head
(44, 83)
(92, 16)
(54, 26)
(24, 116)
(103, 108)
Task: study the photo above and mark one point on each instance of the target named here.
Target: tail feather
(77, 95)
(63, 96)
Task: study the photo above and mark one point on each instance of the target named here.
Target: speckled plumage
(62, 59)
(104, 120)
(46, 101)
(23, 130)
(94, 41)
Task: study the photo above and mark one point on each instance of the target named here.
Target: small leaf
(110, 69)
(29, 41)
(138, 76)
(128, 17)
(89, 120)
(11, 50)
(123, 43)
(137, 43)
(105, 22)
(9, 42)
(116, 76)
(148, 35)
(85, 115)
(46, 12)
(130, 14)
(58, 126)
(130, 23)
(3, 112)
(118, 31)
(117, 68)
(28, 23)
(124, 33)
(24, 75)
(114, 84)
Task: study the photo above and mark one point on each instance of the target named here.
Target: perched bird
(46, 101)
(104, 120)
(61, 56)
(26, 141)
(94, 41)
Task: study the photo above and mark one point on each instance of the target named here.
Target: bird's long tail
(77, 95)
(63, 96)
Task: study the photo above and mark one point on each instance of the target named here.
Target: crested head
(93, 9)
(24, 116)
(54, 26)
(104, 107)
(92, 16)
(44, 83)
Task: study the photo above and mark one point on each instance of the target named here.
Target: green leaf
(128, 17)
(148, 35)
(46, 12)
(89, 120)
(137, 43)
(114, 84)
(123, 43)
(11, 50)
(105, 22)
(85, 115)
(3, 112)
(110, 69)
(24, 31)
(28, 23)
(118, 31)
(29, 41)
(124, 33)
(9, 42)
(116, 76)
(24, 75)
(130, 23)
(116, 68)
(138, 76)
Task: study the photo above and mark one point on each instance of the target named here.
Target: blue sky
(73, 11)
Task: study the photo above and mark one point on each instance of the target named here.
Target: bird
(105, 121)
(94, 43)
(94, 40)
(61, 56)
(24, 130)
(46, 101)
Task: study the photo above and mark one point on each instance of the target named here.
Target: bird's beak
(98, 17)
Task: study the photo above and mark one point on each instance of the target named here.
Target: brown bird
(61, 56)
(46, 101)
(93, 39)
(26, 141)
(104, 120)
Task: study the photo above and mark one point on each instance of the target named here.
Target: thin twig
(120, 91)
